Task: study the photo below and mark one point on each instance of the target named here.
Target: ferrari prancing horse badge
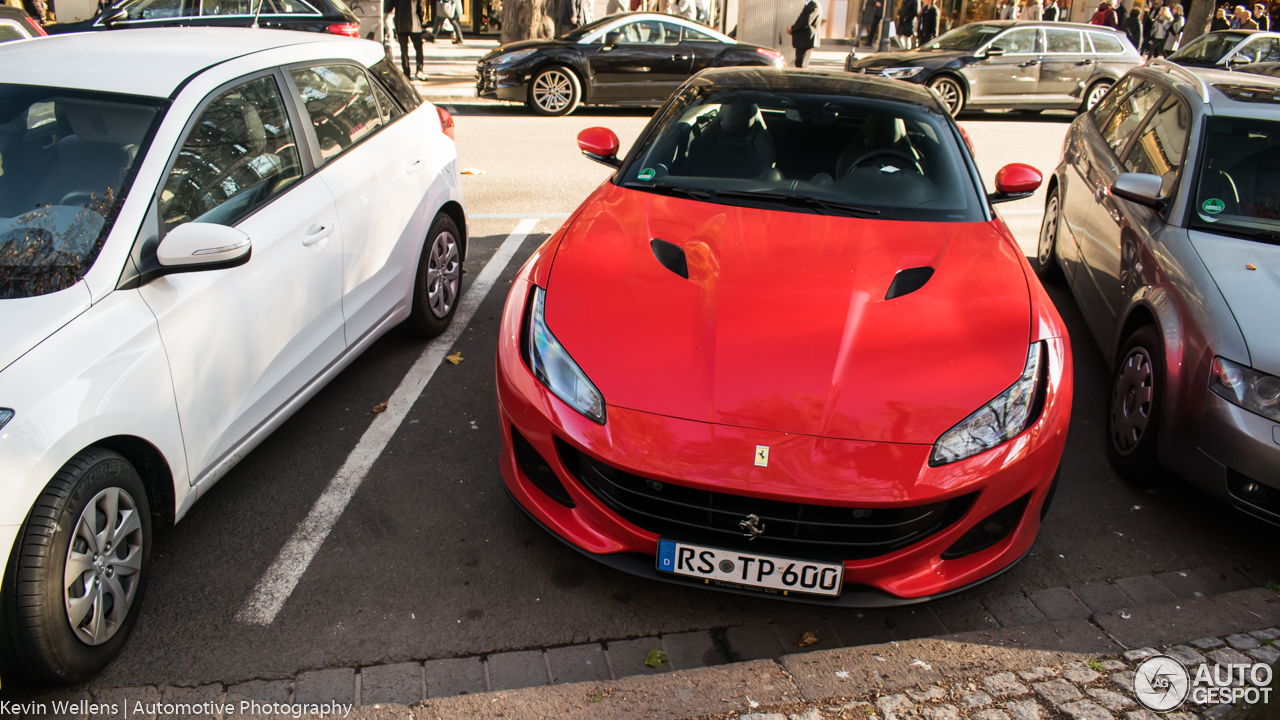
(762, 456)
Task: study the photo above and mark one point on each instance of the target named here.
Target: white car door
(377, 164)
(242, 341)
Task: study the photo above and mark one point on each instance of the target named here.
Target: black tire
(1026, 111)
(1133, 409)
(952, 93)
(429, 317)
(554, 91)
(1045, 261)
(37, 640)
(1094, 94)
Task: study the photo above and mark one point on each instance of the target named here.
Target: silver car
(1229, 49)
(1164, 218)
(1012, 64)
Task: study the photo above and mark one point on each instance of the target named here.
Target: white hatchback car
(199, 228)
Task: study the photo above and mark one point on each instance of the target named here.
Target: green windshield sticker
(1213, 206)
(646, 174)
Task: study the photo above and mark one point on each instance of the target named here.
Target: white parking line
(278, 582)
(515, 216)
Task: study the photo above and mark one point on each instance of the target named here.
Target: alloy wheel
(104, 562)
(1131, 401)
(553, 91)
(443, 273)
(1048, 232)
(950, 93)
(1096, 94)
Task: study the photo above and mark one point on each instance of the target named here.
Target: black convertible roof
(815, 82)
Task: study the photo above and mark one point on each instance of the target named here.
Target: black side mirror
(115, 15)
(1140, 188)
(993, 51)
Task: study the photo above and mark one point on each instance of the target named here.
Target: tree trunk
(1199, 15)
(533, 19)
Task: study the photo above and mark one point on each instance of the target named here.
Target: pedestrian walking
(1160, 32)
(1133, 27)
(410, 20)
(804, 31)
(874, 31)
(1220, 21)
(867, 21)
(927, 24)
(684, 9)
(1175, 31)
(1243, 20)
(1105, 16)
(448, 11)
(1009, 11)
(1260, 16)
(906, 29)
(1051, 11)
(1032, 10)
(703, 8)
(37, 10)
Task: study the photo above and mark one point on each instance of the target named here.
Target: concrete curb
(841, 673)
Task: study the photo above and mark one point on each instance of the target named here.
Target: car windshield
(585, 30)
(66, 159)
(807, 152)
(1238, 192)
(969, 37)
(1207, 50)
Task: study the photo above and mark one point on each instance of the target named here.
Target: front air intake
(538, 470)
(671, 256)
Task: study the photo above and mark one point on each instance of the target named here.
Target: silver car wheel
(552, 91)
(1048, 232)
(443, 273)
(950, 92)
(1131, 401)
(1096, 93)
(104, 562)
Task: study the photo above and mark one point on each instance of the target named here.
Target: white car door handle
(415, 166)
(317, 233)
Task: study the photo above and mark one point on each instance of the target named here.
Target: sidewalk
(451, 69)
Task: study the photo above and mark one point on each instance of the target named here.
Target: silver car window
(1022, 41)
(1159, 150)
(1129, 115)
(1105, 44)
(1059, 40)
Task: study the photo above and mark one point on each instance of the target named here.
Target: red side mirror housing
(601, 145)
(1016, 178)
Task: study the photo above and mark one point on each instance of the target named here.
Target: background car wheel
(1133, 411)
(439, 281)
(76, 578)
(1094, 94)
(951, 92)
(554, 91)
(1045, 263)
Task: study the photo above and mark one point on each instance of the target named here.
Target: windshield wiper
(801, 200)
(669, 189)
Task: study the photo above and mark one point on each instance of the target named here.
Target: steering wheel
(909, 161)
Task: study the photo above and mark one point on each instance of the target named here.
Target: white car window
(239, 154)
(341, 104)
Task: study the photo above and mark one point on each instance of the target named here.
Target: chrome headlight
(5, 416)
(512, 58)
(901, 73)
(998, 421)
(1251, 389)
(554, 368)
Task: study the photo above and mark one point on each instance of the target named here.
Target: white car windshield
(66, 158)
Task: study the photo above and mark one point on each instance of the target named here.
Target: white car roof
(153, 62)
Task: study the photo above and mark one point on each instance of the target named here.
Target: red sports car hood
(782, 323)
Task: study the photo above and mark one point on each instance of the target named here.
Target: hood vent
(908, 281)
(672, 257)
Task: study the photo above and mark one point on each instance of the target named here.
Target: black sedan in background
(1029, 66)
(324, 16)
(624, 59)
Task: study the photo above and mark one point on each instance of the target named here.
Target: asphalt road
(431, 559)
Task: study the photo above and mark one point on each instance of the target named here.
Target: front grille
(817, 532)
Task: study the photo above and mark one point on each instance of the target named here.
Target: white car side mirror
(203, 246)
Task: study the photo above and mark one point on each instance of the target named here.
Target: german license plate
(743, 569)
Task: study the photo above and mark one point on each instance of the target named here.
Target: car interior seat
(91, 163)
(879, 132)
(736, 144)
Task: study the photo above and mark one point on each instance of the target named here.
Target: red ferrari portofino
(788, 348)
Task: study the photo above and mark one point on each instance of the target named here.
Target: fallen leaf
(808, 638)
(472, 171)
(380, 407)
(454, 358)
(656, 658)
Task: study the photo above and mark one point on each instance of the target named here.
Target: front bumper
(1248, 445)
(498, 83)
(802, 469)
